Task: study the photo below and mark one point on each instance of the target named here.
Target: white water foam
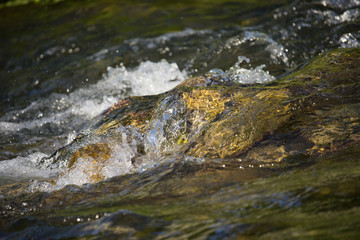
(62, 112)
(249, 76)
(149, 78)
(22, 168)
(66, 111)
(86, 169)
(120, 161)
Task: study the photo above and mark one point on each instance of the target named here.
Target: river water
(63, 63)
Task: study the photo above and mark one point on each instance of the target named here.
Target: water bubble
(216, 77)
(248, 76)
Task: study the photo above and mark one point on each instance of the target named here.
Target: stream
(64, 63)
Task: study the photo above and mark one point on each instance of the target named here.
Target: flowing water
(63, 63)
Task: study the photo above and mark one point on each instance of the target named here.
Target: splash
(22, 168)
(249, 76)
(116, 157)
(148, 78)
(65, 114)
(85, 103)
(54, 117)
(169, 113)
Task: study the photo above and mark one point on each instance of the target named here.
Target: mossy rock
(307, 112)
(132, 111)
(97, 154)
(215, 121)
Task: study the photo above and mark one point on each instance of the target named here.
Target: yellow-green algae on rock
(97, 153)
(311, 111)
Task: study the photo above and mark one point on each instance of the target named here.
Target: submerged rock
(312, 111)
(97, 154)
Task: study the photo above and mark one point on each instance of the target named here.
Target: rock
(132, 111)
(97, 154)
(216, 121)
(313, 110)
(327, 113)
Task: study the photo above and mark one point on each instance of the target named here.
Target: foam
(119, 163)
(66, 112)
(249, 76)
(21, 168)
(149, 78)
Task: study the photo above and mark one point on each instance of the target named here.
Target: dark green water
(62, 63)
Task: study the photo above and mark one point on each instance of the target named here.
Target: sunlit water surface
(60, 74)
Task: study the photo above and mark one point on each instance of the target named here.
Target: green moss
(326, 66)
(222, 121)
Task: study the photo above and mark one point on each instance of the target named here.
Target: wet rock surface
(312, 111)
